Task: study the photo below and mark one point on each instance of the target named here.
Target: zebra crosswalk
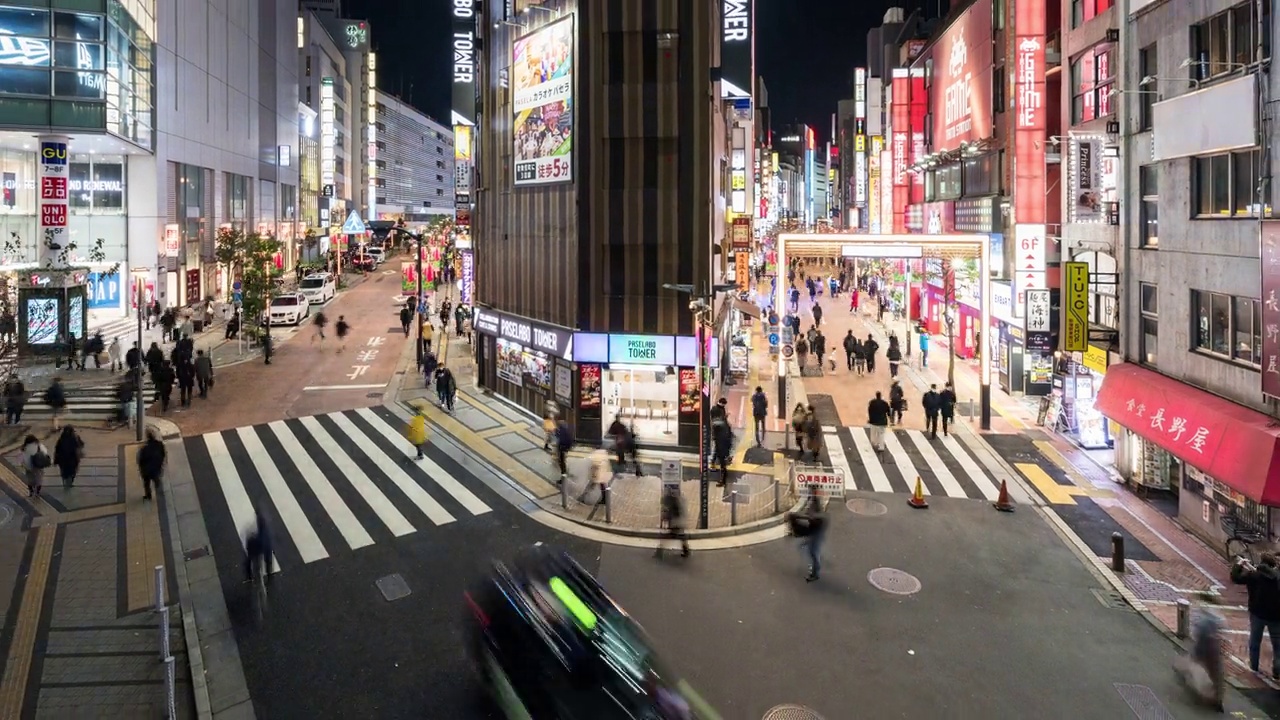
(331, 483)
(946, 465)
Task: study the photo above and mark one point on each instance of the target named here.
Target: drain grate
(393, 587)
(791, 712)
(1110, 599)
(1143, 702)
(863, 506)
(894, 581)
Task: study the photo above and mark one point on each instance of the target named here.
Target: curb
(657, 534)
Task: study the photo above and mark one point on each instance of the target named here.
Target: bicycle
(259, 572)
(1240, 540)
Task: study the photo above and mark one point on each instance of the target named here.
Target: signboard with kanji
(819, 482)
(1075, 306)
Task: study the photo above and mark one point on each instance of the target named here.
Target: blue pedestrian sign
(773, 339)
(236, 286)
(354, 225)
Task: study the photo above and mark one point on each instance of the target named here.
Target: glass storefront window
(128, 81)
(24, 81)
(239, 205)
(77, 26)
(96, 185)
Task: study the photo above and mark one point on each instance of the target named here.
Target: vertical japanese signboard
(901, 148)
(1075, 307)
(1029, 154)
(1039, 308)
(53, 176)
(1271, 308)
(737, 49)
(873, 185)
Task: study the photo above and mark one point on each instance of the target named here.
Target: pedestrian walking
(124, 403)
(798, 415)
(897, 403)
(67, 453)
(318, 323)
(947, 407)
(446, 387)
(429, 366)
(1263, 583)
(151, 461)
(204, 373)
(164, 378)
(15, 399)
(759, 413)
(56, 398)
(428, 334)
(810, 525)
(93, 347)
(167, 321)
(931, 403)
(802, 351)
(878, 412)
(406, 316)
(416, 433)
(599, 475)
(548, 431)
(850, 345)
(854, 298)
(186, 374)
(342, 329)
(673, 516)
(893, 355)
(115, 354)
(924, 349)
(818, 345)
(35, 459)
(869, 349)
(722, 448)
(564, 443)
(812, 432)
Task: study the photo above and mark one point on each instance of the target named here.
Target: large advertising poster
(542, 99)
(1086, 199)
(1271, 308)
(962, 78)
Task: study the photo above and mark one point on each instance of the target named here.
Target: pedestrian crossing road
(330, 484)
(947, 465)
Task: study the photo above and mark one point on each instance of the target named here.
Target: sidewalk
(80, 563)
(511, 441)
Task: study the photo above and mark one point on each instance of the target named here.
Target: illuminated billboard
(961, 80)
(542, 99)
(464, 62)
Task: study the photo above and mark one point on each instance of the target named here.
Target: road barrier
(166, 657)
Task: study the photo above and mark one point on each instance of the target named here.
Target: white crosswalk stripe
(945, 466)
(329, 484)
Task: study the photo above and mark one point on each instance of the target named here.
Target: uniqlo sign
(53, 188)
(53, 215)
(1029, 113)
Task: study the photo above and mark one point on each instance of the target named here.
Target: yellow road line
(13, 686)
(19, 488)
(1047, 449)
(499, 431)
(1054, 492)
(143, 547)
(531, 481)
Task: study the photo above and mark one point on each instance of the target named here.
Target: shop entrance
(644, 397)
(910, 247)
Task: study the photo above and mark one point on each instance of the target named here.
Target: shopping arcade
(911, 247)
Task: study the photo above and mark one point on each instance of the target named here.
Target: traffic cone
(1002, 503)
(917, 498)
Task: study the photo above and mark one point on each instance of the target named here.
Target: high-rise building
(415, 155)
(593, 195)
(1195, 401)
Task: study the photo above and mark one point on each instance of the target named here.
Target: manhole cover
(792, 712)
(393, 587)
(1143, 702)
(894, 581)
(863, 506)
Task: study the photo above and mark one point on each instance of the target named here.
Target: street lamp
(700, 305)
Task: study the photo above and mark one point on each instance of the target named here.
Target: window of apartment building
(439, 191)
(997, 89)
(1149, 210)
(308, 66)
(1149, 339)
(1227, 326)
(439, 178)
(439, 163)
(1229, 40)
(1225, 184)
(981, 176)
(1092, 80)
(1148, 66)
(1082, 11)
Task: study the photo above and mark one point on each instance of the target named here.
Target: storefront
(524, 362)
(1076, 387)
(1221, 459)
(1005, 340)
(738, 317)
(963, 319)
(648, 381)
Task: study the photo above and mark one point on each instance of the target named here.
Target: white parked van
(318, 288)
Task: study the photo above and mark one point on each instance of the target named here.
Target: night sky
(806, 58)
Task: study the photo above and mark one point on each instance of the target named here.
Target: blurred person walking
(67, 453)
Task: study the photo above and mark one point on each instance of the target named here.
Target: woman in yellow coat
(416, 432)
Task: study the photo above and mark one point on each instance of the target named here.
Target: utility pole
(139, 406)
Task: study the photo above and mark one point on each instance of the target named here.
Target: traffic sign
(671, 474)
(788, 350)
(820, 482)
(354, 225)
(236, 286)
(773, 339)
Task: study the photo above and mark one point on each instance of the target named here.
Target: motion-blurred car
(288, 309)
(549, 642)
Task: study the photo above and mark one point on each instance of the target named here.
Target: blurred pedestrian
(673, 516)
(931, 403)
(115, 353)
(813, 520)
(406, 316)
(947, 404)
(878, 412)
(564, 443)
(56, 398)
(204, 373)
(897, 403)
(35, 458)
(343, 329)
(812, 432)
(151, 461)
(67, 453)
(15, 399)
(416, 433)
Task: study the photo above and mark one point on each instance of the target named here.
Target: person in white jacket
(115, 353)
(35, 458)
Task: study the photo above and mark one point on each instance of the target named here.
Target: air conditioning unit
(1053, 157)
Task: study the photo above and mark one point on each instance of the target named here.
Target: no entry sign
(823, 483)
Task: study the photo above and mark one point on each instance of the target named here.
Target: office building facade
(415, 163)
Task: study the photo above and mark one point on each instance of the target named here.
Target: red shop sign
(53, 215)
(961, 80)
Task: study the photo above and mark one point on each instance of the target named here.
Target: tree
(250, 258)
(310, 242)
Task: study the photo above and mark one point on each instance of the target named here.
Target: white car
(289, 309)
(318, 288)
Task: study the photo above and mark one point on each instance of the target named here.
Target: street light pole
(139, 406)
(419, 310)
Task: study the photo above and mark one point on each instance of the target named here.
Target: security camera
(698, 305)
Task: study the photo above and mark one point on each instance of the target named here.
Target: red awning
(1233, 444)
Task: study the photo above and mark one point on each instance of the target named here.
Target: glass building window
(1225, 185)
(1149, 211)
(96, 185)
(1227, 326)
(1149, 339)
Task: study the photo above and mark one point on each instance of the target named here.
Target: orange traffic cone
(1002, 503)
(917, 498)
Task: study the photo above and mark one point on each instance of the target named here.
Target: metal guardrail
(166, 657)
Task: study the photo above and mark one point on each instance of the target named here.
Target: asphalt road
(254, 392)
(1006, 624)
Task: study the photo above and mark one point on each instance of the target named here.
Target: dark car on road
(361, 261)
(549, 642)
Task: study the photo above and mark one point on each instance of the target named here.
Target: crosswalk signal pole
(139, 406)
